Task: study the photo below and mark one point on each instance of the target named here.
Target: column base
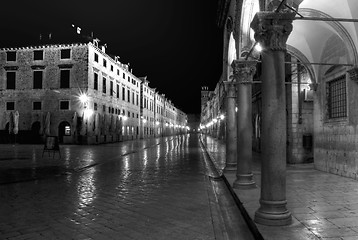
(273, 213)
(244, 181)
(230, 168)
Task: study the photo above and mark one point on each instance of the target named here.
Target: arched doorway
(35, 132)
(64, 129)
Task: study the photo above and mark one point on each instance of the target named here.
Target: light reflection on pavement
(139, 190)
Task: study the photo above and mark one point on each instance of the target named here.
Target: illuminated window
(67, 130)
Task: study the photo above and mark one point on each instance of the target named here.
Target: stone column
(243, 73)
(271, 31)
(231, 135)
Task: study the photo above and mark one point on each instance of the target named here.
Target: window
(104, 108)
(111, 88)
(104, 88)
(11, 56)
(133, 98)
(95, 106)
(124, 76)
(65, 53)
(337, 98)
(10, 106)
(109, 109)
(95, 57)
(129, 114)
(118, 72)
(36, 105)
(65, 78)
(129, 79)
(128, 96)
(37, 81)
(123, 94)
(10, 80)
(137, 100)
(38, 55)
(95, 81)
(104, 62)
(64, 105)
(117, 90)
(111, 68)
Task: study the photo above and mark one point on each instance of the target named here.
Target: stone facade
(76, 92)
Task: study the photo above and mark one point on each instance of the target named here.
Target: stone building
(290, 83)
(74, 91)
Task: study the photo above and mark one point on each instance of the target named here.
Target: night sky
(175, 43)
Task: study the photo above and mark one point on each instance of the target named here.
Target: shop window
(67, 131)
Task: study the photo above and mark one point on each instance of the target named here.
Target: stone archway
(35, 132)
(64, 129)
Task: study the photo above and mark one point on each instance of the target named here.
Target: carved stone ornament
(272, 29)
(243, 71)
(353, 74)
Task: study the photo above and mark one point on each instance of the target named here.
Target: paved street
(143, 189)
(324, 206)
(155, 191)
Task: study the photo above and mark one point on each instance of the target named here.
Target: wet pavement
(323, 206)
(144, 189)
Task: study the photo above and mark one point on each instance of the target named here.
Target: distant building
(76, 92)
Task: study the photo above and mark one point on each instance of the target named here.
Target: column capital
(243, 71)
(272, 29)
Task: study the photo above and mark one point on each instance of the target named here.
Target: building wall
(51, 94)
(103, 117)
(336, 139)
(299, 117)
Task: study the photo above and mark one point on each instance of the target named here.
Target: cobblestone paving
(159, 192)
